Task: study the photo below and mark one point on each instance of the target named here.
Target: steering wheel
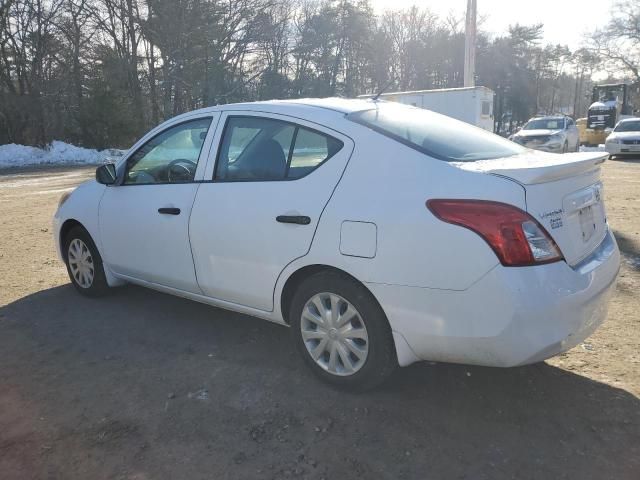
(185, 165)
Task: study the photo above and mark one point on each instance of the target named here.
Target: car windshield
(436, 135)
(632, 126)
(545, 124)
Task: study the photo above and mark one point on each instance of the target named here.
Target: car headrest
(269, 162)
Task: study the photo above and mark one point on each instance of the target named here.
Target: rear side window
(238, 140)
(261, 149)
(310, 150)
(436, 135)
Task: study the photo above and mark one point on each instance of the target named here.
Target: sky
(565, 21)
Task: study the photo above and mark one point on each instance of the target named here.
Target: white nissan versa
(382, 234)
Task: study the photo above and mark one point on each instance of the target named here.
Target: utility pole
(470, 45)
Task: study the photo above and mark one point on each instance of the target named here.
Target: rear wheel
(341, 332)
(84, 264)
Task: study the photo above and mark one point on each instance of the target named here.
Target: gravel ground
(142, 385)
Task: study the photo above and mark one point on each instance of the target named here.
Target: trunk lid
(563, 193)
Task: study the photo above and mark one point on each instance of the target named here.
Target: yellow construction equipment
(611, 103)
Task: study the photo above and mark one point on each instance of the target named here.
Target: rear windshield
(633, 126)
(436, 135)
(545, 124)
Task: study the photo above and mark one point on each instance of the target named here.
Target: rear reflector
(514, 235)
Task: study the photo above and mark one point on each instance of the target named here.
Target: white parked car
(383, 234)
(556, 134)
(625, 138)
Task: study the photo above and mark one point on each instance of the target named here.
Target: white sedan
(378, 232)
(625, 138)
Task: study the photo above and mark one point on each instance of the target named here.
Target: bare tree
(118, 23)
(619, 42)
(100, 72)
(27, 49)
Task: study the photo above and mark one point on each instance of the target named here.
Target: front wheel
(84, 264)
(341, 332)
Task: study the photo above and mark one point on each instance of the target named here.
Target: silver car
(556, 134)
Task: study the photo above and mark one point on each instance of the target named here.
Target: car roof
(321, 110)
(342, 105)
(633, 119)
(292, 106)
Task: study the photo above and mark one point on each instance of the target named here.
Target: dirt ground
(142, 385)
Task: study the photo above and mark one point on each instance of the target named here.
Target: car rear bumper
(511, 316)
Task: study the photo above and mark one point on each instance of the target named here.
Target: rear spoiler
(538, 167)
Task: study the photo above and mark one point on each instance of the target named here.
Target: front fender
(83, 206)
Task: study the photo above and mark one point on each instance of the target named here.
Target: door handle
(169, 211)
(296, 219)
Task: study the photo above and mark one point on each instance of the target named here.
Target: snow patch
(58, 153)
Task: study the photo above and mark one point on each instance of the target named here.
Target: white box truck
(473, 105)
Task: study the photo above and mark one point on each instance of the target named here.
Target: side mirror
(106, 174)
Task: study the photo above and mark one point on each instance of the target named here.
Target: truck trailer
(473, 105)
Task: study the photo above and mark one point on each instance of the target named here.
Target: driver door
(144, 218)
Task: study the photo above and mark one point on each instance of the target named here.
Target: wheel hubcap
(334, 334)
(81, 263)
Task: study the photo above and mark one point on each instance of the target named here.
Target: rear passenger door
(260, 204)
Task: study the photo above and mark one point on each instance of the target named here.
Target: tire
(84, 263)
(341, 335)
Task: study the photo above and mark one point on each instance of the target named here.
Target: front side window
(169, 157)
(261, 149)
(436, 135)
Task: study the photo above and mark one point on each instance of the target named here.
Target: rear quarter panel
(388, 184)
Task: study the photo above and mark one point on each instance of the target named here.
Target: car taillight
(515, 236)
